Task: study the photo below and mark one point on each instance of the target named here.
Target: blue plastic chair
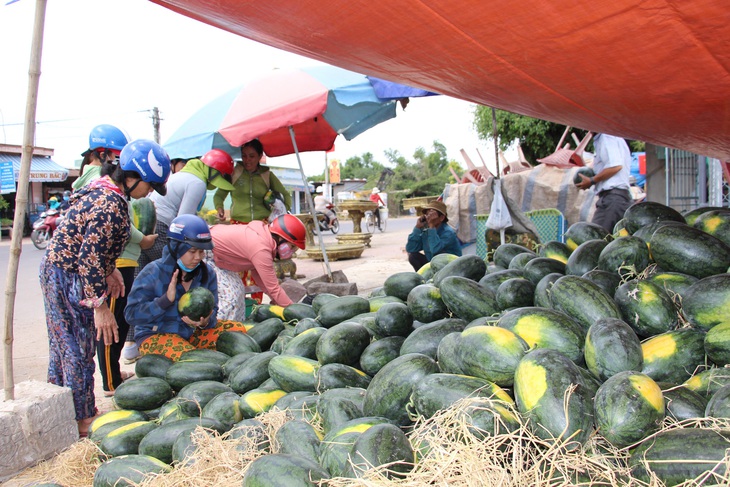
(550, 223)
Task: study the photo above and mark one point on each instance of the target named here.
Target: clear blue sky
(111, 61)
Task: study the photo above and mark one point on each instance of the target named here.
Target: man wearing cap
(431, 236)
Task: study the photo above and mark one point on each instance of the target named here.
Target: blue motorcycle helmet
(149, 160)
(191, 230)
(106, 137)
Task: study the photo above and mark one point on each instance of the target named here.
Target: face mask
(285, 251)
(182, 266)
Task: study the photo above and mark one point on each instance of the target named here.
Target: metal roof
(42, 169)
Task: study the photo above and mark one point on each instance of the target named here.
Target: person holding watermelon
(252, 248)
(78, 272)
(167, 318)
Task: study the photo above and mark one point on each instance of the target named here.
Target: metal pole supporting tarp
(310, 203)
(21, 197)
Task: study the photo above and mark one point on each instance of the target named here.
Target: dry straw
(450, 453)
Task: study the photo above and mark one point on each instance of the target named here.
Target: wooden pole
(21, 197)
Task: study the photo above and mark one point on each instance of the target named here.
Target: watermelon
(196, 304)
(705, 304)
(646, 308)
(719, 404)
(583, 300)
(492, 353)
(257, 401)
(692, 215)
(504, 253)
(343, 343)
(707, 382)
(401, 283)
(142, 394)
(298, 438)
(519, 261)
(193, 397)
(717, 344)
(394, 319)
(338, 406)
(152, 365)
(542, 382)
(426, 304)
(690, 251)
(682, 403)
(540, 267)
(625, 255)
(223, 408)
(128, 470)
(585, 171)
(585, 257)
(343, 308)
(440, 391)
(470, 266)
(515, 293)
(335, 376)
(555, 250)
(681, 454)
(493, 280)
(612, 346)
(628, 407)
(125, 439)
(542, 290)
(383, 444)
(379, 353)
(283, 469)
(581, 232)
(648, 212)
(673, 356)
(467, 299)
(546, 328)
(425, 339)
(305, 344)
(390, 390)
(716, 223)
(144, 216)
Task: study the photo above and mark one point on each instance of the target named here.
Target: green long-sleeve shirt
(247, 198)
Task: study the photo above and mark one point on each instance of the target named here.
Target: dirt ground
(384, 257)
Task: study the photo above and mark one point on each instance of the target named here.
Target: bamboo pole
(21, 197)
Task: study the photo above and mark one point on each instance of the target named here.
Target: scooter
(44, 227)
(324, 225)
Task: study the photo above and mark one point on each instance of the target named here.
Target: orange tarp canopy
(654, 70)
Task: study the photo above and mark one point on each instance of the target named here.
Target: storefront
(46, 176)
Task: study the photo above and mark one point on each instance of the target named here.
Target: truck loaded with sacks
(601, 360)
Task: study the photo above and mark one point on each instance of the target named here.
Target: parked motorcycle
(44, 227)
(324, 225)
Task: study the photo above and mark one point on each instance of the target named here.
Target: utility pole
(156, 123)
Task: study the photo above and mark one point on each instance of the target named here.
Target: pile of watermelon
(608, 336)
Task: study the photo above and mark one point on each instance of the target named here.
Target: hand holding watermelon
(196, 307)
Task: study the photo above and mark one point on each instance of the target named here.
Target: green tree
(537, 138)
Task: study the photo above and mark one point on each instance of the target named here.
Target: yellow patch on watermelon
(659, 347)
(302, 366)
(501, 394)
(262, 401)
(694, 383)
(184, 301)
(649, 390)
(589, 354)
(424, 269)
(247, 327)
(310, 331)
(111, 417)
(127, 427)
(557, 256)
(572, 245)
(358, 428)
(501, 336)
(710, 224)
(530, 328)
(277, 311)
(531, 381)
(505, 413)
(648, 295)
(718, 314)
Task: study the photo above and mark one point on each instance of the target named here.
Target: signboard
(7, 178)
(334, 171)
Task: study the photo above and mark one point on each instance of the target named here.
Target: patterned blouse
(91, 237)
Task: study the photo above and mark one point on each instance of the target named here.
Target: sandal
(126, 375)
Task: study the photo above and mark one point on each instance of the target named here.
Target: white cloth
(320, 202)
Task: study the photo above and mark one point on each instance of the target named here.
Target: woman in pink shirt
(252, 247)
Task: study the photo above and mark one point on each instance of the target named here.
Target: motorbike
(324, 225)
(44, 227)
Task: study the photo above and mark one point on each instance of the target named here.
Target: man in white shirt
(612, 168)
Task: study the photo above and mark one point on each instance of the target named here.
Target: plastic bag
(499, 217)
(278, 208)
